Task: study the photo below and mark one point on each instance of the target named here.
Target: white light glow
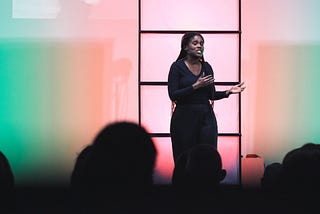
(35, 9)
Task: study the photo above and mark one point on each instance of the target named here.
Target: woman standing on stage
(191, 88)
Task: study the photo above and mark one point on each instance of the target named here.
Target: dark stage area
(161, 199)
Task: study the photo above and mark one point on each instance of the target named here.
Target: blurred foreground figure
(115, 172)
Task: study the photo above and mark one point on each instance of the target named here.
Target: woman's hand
(203, 81)
(236, 89)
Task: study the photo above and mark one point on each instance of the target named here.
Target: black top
(180, 82)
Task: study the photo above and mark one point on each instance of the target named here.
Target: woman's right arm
(173, 84)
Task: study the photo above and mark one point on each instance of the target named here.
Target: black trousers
(192, 124)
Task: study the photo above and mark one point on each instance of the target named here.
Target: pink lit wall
(66, 69)
(280, 65)
(160, 50)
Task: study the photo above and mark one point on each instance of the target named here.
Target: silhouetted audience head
(301, 169)
(7, 185)
(6, 178)
(199, 168)
(115, 169)
(271, 176)
(299, 172)
(121, 158)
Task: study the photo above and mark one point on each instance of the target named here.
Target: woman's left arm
(236, 89)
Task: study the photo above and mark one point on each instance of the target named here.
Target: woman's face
(195, 47)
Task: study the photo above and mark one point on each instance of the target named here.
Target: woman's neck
(192, 61)
(194, 65)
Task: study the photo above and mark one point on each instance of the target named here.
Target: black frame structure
(142, 83)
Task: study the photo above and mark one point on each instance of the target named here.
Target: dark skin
(195, 50)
